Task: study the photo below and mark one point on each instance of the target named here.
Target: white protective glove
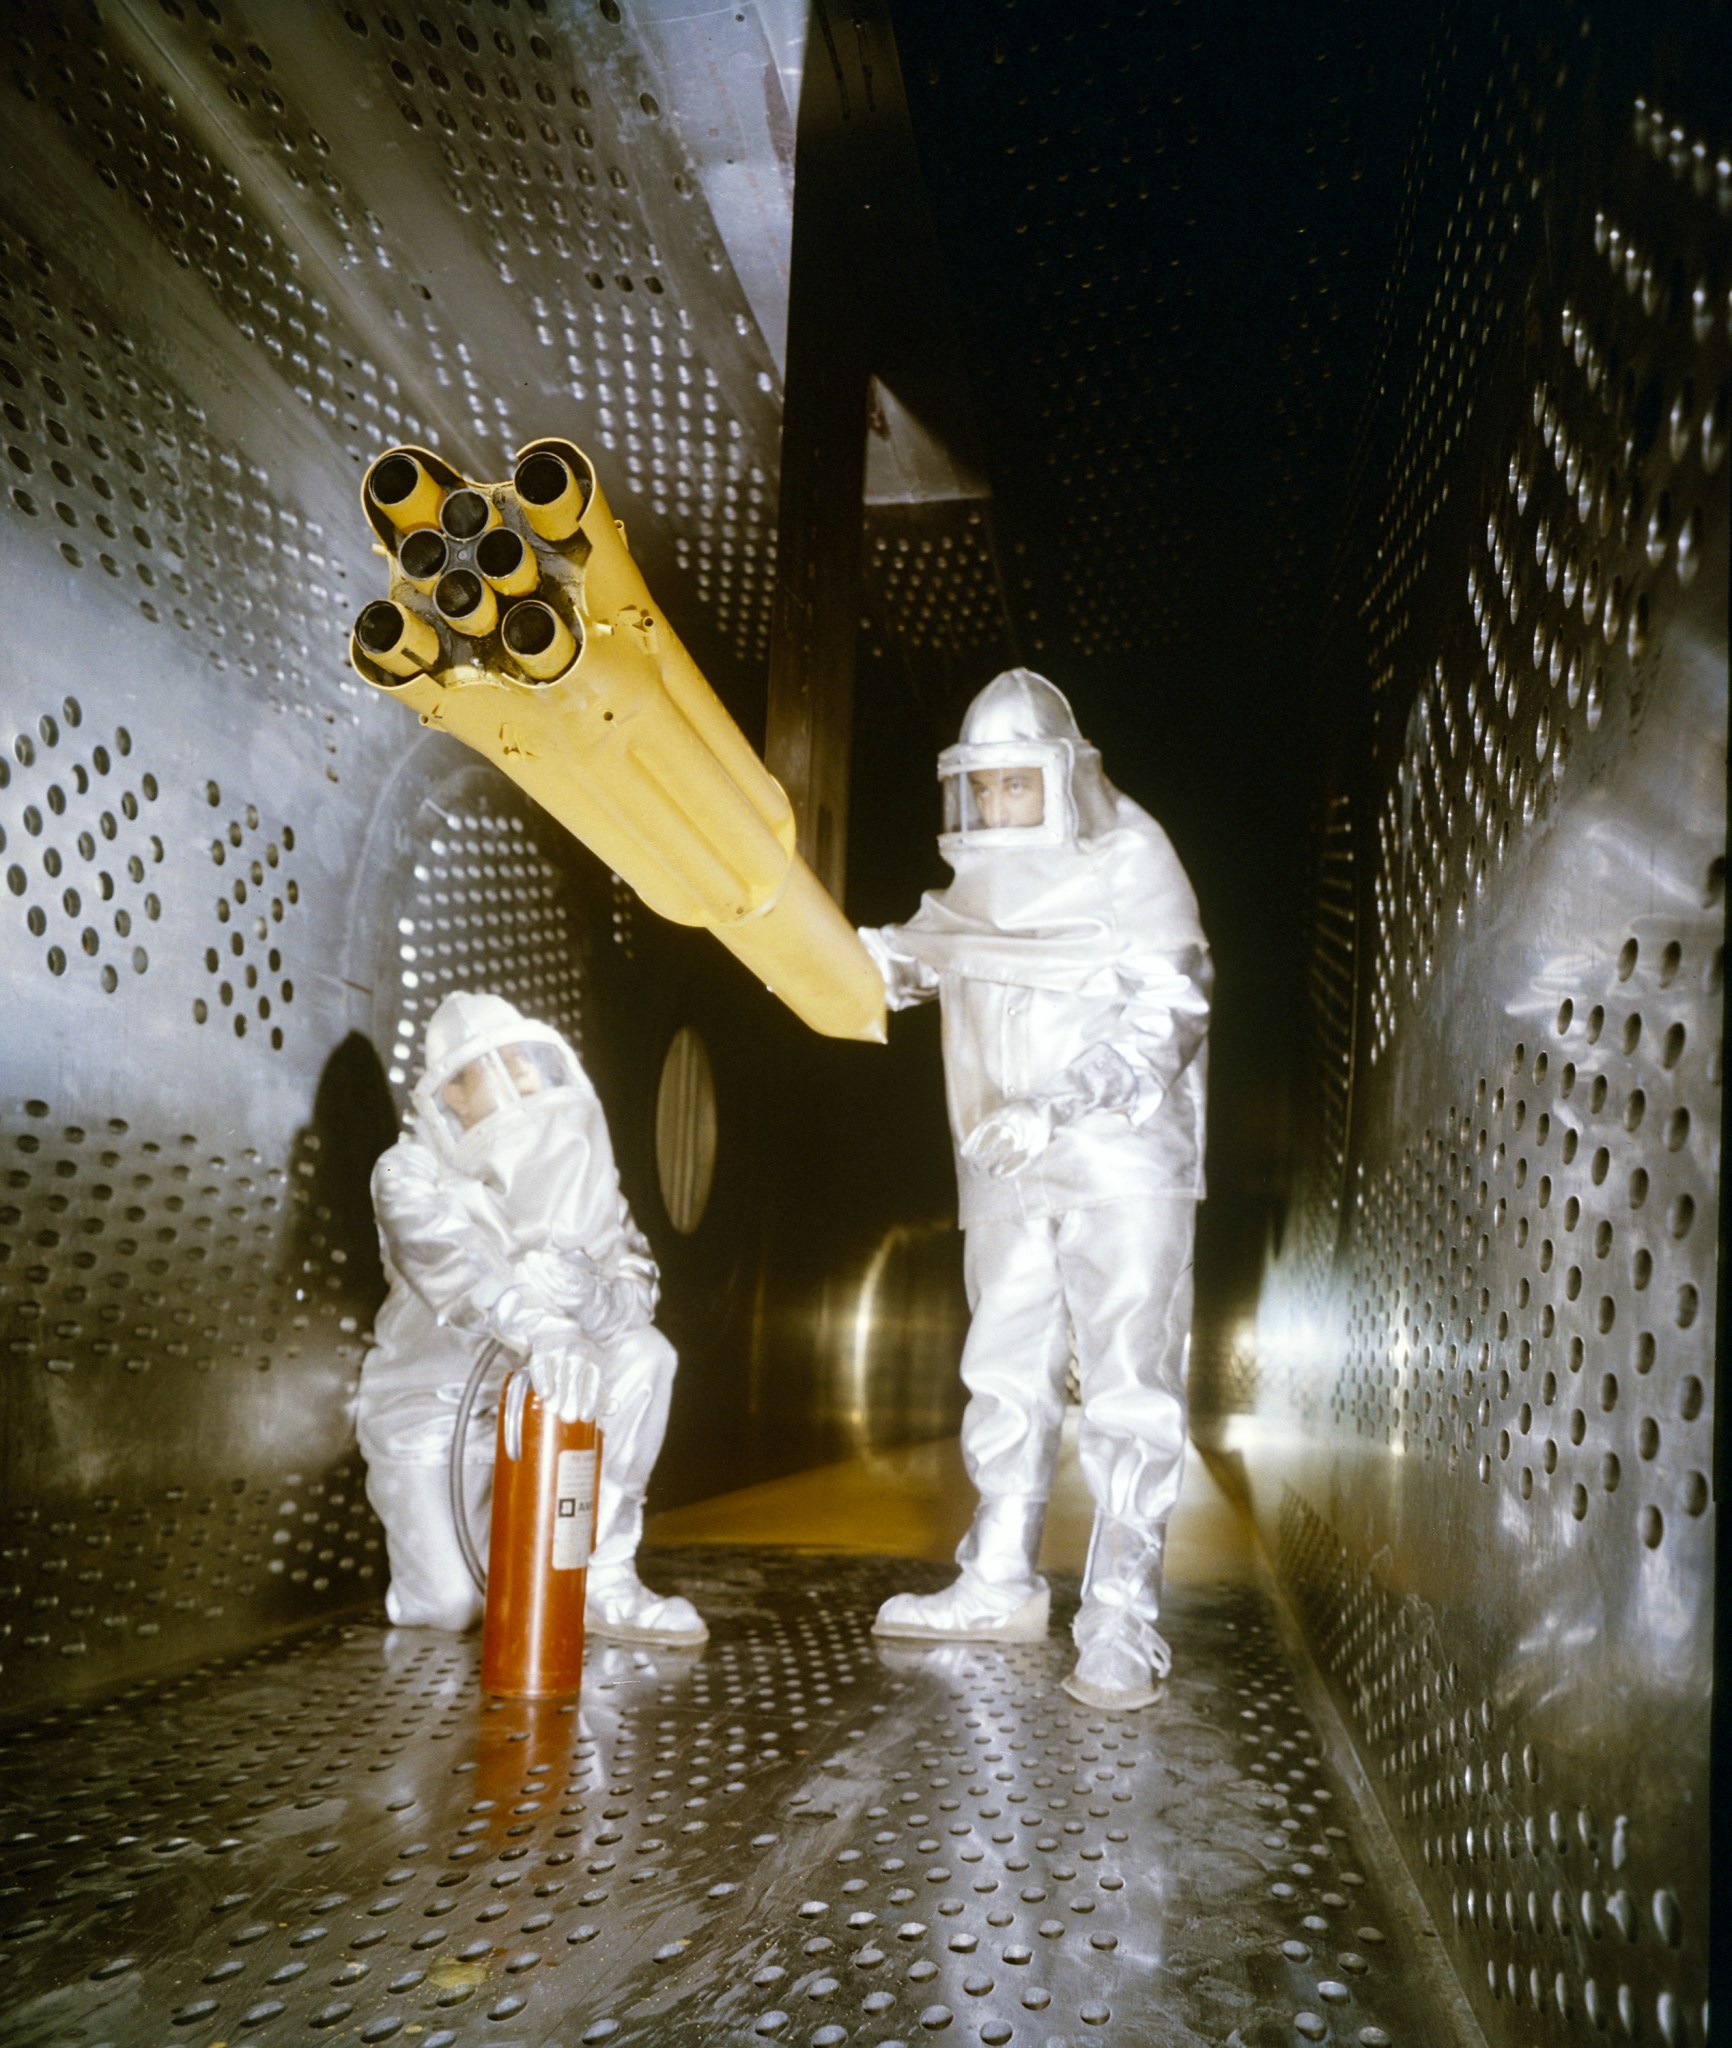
(525, 1320)
(637, 1267)
(557, 1351)
(873, 940)
(906, 981)
(1018, 1132)
(1013, 1135)
(602, 1302)
(565, 1379)
(567, 1382)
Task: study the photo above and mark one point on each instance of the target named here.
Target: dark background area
(1168, 235)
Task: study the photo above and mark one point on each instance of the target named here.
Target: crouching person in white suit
(501, 1219)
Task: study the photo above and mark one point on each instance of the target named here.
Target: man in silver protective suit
(501, 1218)
(1074, 979)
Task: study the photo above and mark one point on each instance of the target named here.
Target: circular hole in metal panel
(686, 1130)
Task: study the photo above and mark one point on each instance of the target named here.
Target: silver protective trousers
(1116, 1281)
(430, 1583)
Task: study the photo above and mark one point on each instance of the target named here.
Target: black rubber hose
(459, 1436)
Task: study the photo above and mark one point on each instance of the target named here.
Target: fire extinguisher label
(574, 1510)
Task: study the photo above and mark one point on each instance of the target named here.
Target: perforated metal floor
(797, 1834)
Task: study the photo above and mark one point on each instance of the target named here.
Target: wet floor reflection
(795, 1833)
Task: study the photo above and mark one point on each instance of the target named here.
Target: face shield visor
(482, 1085)
(1006, 793)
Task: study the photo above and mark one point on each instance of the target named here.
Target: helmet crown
(1019, 705)
(466, 1024)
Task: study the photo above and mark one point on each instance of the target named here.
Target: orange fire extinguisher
(545, 1476)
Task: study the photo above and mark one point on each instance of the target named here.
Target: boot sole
(1027, 1624)
(1109, 1701)
(650, 1638)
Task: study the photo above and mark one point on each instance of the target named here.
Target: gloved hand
(1099, 1079)
(639, 1272)
(873, 940)
(1013, 1135)
(906, 981)
(1020, 1131)
(565, 1378)
(605, 1304)
(637, 1265)
(567, 1381)
(525, 1320)
(601, 1302)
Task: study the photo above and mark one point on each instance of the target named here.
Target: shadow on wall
(331, 1258)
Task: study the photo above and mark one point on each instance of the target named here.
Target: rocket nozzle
(464, 601)
(423, 556)
(404, 491)
(506, 562)
(539, 641)
(396, 639)
(551, 493)
(539, 646)
(467, 513)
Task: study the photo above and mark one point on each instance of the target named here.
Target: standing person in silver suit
(1074, 980)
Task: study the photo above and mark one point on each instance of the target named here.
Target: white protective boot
(637, 1376)
(620, 1608)
(430, 1586)
(999, 1597)
(1122, 1658)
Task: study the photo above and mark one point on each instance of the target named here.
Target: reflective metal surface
(241, 250)
(877, 411)
(1478, 1431)
(794, 1834)
(249, 252)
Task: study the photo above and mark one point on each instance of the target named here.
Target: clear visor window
(994, 799)
(500, 1080)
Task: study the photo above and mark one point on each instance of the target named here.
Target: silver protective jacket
(1073, 977)
(529, 1241)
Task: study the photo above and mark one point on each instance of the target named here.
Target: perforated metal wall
(249, 254)
(1478, 1426)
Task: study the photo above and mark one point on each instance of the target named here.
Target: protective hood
(1061, 907)
(492, 1077)
(1021, 776)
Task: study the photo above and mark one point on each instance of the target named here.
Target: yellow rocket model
(518, 622)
